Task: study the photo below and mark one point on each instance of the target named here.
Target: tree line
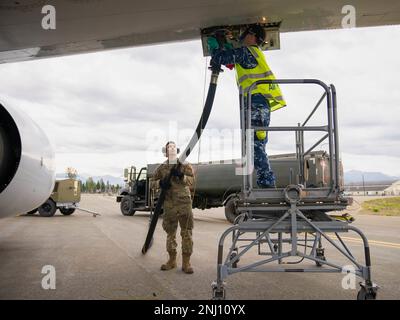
(90, 186)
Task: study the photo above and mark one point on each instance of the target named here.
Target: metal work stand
(292, 217)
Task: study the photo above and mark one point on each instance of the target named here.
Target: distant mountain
(85, 176)
(356, 176)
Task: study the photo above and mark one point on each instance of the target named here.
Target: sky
(108, 110)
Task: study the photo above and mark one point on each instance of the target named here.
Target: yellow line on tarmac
(374, 242)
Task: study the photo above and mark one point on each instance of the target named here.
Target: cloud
(105, 110)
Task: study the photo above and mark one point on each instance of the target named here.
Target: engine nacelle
(27, 172)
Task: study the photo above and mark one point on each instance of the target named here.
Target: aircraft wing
(94, 25)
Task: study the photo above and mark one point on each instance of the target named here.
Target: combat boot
(186, 267)
(171, 263)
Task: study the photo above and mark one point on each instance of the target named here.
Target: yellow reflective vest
(246, 77)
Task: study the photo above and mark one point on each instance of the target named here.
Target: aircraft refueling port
(10, 148)
(272, 40)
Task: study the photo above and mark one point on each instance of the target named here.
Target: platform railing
(331, 128)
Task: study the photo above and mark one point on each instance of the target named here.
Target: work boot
(186, 267)
(171, 263)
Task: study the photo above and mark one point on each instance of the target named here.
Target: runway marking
(374, 242)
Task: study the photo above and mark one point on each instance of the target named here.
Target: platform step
(260, 225)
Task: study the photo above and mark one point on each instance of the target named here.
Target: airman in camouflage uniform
(177, 206)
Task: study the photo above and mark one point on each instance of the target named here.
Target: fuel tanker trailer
(217, 183)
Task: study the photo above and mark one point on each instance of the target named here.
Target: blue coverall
(260, 111)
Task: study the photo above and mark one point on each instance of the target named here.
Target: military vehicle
(65, 197)
(217, 183)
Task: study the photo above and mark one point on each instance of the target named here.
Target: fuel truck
(217, 184)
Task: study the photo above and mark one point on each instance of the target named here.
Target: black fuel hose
(192, 143)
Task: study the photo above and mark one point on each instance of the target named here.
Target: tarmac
(100, 258)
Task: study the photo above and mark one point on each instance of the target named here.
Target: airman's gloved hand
(177, 173)
(212, 44)
(229, 46)
(165, 184)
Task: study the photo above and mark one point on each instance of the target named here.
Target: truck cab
(135, 196)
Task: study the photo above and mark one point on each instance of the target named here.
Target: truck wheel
(67, 211)
(47, 209)
(32, 212)
(230, 210)
(127, 207)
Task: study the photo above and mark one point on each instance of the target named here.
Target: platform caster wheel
(321, 256)
(367, 294)
(218, 292)
(233, 255)
(319, 264)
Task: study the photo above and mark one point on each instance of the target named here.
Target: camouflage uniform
(177, 207)
(260, 112)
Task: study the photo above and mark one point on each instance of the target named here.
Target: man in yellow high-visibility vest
(251, 66)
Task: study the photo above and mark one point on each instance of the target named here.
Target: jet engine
(27, 172)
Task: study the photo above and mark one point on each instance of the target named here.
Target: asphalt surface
(100, 258)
